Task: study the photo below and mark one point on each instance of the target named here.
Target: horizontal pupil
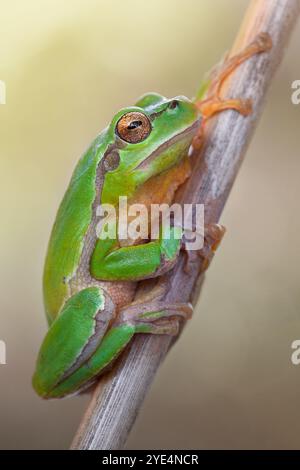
(134, 125)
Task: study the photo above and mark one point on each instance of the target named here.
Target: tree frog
(89, 282)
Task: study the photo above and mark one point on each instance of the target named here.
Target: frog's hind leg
(155, 317)
(72, 339)
(212, 102)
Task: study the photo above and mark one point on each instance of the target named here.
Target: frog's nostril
(173, 104)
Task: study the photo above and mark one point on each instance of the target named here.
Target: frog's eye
(173, 104)
(133, 127)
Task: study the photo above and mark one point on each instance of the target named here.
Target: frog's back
(71, 224)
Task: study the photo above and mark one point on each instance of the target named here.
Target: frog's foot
(213, 103)
(213, 234)
(156, 317)
(212, 239)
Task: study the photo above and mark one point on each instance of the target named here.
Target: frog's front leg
(136, 262)
(213, 234)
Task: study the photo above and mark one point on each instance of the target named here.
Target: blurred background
(229, 381)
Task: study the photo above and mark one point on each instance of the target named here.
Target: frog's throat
(189, 131)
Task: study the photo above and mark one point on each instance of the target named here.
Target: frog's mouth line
(191, 130)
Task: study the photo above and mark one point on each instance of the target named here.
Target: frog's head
(145, 140)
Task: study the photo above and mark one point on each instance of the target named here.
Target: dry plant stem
(119, 396)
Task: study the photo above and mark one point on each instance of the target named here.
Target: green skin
(85, 335)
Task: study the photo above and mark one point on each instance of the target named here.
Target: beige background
(68, 67)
